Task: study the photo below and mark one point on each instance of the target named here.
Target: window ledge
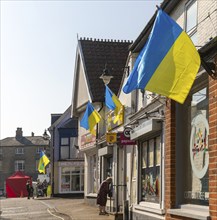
(91, 195)
(191, 211)
(150, 207)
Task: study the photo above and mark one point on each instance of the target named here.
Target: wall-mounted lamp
(105, 76)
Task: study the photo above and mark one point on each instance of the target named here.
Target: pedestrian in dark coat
(102, 195)
(28, 188)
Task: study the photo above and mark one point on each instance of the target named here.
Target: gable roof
(24, 141)
(95, 54)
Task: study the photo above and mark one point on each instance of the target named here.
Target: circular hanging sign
(199, 145)
(127, 131)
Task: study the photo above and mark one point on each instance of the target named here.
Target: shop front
(149, 134)
(71, 178)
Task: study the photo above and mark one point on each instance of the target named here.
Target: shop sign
(199, 154)
(146, 128)
(111, 138)
(87, 140)
(125, 139)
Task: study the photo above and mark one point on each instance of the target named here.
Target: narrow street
(49, 208)
(22, 208)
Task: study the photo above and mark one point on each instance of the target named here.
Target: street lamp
(105, 76)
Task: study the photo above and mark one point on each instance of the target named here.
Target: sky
(38, 47)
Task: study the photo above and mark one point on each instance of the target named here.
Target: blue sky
(38, 46)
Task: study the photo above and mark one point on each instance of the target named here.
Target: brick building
(178, 159)
(21, 153)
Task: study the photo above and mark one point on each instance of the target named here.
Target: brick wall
(170, 156)
(207, 25)
(213, 147)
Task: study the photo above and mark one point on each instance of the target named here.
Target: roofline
(167, 6)
(60, 118)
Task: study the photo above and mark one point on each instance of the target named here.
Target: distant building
(67, 161)
(21, 153)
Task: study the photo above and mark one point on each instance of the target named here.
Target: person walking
(102, 195)
(45, 187)
(28, 188)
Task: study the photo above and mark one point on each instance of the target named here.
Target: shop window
(109, 161)
(93, 174)
(19, 150)
(19, 165)
(191, 20)
(72, 179)
(197, 179)
(192, 150)
(151, 160)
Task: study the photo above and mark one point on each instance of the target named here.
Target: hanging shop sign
(87, 140)
(111, 138)
(124, 137)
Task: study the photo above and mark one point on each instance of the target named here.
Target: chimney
(19, 133)
(32, 134)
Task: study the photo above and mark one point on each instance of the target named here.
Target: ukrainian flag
(168, 63)
(113, 103)
(43, 162)
(90, 119)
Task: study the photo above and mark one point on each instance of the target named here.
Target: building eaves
(60, 118)
(167, 6)
(70, 123)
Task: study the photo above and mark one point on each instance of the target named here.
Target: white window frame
(16, 165)
(19, 150)
(38, 149)
(81, 174)
(36, 164)
(64, 143)
(193, 31)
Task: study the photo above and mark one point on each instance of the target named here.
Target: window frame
(70, 173)
(154, 166)
(193, 31)
(63, 145)
(200, 83)
(19, 150)
(16, 165)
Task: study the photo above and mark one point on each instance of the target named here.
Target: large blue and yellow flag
(168, 63)
(43, 162)
(90, 119)
(113, 103)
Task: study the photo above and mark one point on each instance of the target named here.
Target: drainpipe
(53, 139)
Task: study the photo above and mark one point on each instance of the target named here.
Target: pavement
(50, 208)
